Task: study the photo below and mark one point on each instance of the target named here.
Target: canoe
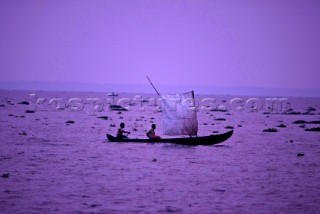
(117, 108)
(205, 140)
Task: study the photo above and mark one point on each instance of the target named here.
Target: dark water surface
(60, 168)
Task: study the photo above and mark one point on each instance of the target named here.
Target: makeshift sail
(179, 114)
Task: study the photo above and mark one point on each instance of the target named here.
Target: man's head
(153, 126)
(122, 125)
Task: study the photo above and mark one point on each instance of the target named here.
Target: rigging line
(153, 86)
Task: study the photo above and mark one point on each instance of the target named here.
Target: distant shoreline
(200, 90)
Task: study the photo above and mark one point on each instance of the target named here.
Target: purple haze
(273, 44)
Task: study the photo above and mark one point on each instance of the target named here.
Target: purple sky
(267, 43)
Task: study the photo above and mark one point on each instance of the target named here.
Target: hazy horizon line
(147, 88)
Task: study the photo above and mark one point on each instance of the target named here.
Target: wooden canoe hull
(205, 140)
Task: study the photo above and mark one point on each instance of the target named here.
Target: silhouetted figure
(152, 134)
(121, 131)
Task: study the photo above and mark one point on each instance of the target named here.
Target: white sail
(179, 114)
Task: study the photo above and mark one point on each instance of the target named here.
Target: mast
(153, 86)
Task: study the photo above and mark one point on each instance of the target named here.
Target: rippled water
(73, 169)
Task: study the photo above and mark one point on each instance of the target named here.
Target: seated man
(152, 134)
(120, 133)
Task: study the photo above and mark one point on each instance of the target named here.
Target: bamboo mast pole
(153, 86)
